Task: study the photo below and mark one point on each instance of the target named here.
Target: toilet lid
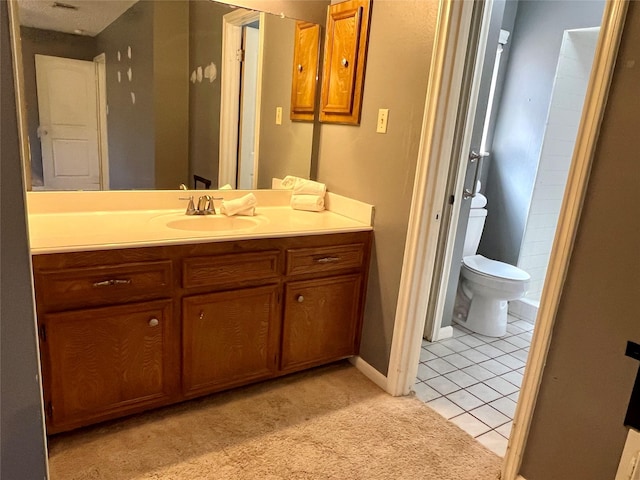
(485, 266)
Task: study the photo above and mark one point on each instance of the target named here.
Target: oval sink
(213, 223)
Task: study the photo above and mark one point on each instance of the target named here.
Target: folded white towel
(240, 206)
(288, 182)
(309, 203)
(226, 186)
(309, 187)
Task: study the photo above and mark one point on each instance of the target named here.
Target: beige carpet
(327, 423)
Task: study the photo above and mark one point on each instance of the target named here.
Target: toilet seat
(493, 268)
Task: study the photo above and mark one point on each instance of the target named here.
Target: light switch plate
(383, 116)
(278, 115)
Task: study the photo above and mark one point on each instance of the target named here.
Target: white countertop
(64, 230)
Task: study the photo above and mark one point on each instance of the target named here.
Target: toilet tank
(477, 217)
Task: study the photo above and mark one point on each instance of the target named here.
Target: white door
(68, 131)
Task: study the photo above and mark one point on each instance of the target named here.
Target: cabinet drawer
(234, 268)
(103, 285)
(324, 259)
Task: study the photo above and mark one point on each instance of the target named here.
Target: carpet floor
(327, 423)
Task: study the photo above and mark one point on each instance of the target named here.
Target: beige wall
(578, 430)
(284, 149)
(310, 10)
(358, 162)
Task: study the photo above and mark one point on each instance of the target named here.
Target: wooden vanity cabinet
(230, 334)
(133, 329)
(107, 334)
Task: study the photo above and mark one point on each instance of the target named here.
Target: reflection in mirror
(125, 94)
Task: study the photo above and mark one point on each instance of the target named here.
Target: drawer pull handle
(113, 281)
(201, 316)
(300, 298)
(153, 322)
(328, 259)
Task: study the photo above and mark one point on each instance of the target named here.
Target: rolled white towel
(309, 187)
(240, 206)
(288, 182)
(309, 203)
(226, 186)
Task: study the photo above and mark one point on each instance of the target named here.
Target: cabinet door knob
(201, 316)
(300, 298)
(344, 62)
(299, 67)
(153, 322)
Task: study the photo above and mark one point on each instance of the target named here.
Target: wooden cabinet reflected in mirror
(305, 71)
(155, 71)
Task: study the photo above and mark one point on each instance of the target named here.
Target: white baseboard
(445, 332)
(368, 371)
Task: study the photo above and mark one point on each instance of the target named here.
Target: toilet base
(486, 316)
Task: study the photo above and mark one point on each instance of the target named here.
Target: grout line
(508, 335)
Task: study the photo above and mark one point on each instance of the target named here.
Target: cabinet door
(305, 70)
(106, 362)
(321, 321)
(344, 61)
(229, 338)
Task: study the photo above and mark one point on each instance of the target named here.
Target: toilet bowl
(485, 288)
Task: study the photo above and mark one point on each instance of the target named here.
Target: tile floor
(474, 381)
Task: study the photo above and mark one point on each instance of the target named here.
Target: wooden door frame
(431, 172)
(232, 24)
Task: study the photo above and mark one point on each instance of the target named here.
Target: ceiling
(90, 18)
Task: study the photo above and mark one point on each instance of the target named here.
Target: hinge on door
(240, 55)
(49, 409)
(43, 333)
(452, 199)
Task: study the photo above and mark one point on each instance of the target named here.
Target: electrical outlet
(278, 115)
(383, 115)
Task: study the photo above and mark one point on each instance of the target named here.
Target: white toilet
(485, 285)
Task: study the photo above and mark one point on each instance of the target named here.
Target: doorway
(524, 126)
(439, 137)
(242, 53)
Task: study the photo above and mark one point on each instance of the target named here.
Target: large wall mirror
(126, 94)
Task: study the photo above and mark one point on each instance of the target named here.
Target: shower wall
(567, 99)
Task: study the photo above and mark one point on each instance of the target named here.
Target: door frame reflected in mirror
(230, 119)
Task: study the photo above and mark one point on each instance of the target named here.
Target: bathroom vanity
(169, 314)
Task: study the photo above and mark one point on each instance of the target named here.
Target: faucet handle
(191, 209)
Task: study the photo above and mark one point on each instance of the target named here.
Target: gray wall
(22, 445)
(205, 46)
(284, 149)
(577, 429)
(171, 93)
(522, 114)
(131, 128)
(55, 44)
(379, 168)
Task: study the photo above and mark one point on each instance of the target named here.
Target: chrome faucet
(205, 205)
